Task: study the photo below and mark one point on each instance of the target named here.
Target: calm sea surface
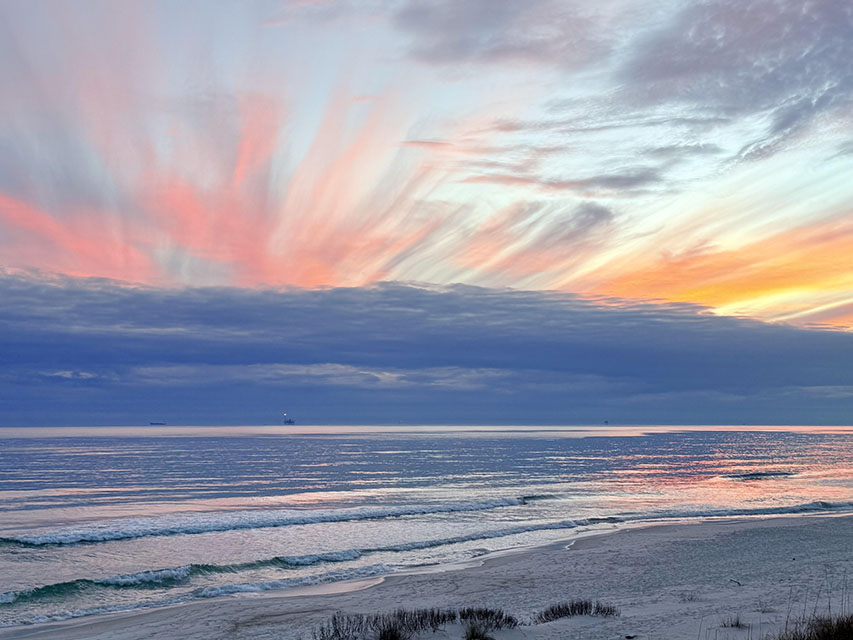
(102, 519)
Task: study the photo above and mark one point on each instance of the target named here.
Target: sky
(488, 211)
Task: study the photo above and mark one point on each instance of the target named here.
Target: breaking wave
(216, 522)
(165, 578)
(171, 576)
(178, 575)
(369, 571)
(808, 507)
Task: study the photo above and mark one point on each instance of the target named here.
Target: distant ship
(288, 420)
(157, 424)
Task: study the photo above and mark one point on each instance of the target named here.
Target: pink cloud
(84, 245)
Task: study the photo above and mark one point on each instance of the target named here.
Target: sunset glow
(343, 145)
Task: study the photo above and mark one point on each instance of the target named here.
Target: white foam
(290, 583)
(150, 577)
(124, 529)
(335, 556)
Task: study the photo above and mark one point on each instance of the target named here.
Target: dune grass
(840, 628)
(402, 624)
(476, 631)
(576, 608)
(490, 619)
(734, 622)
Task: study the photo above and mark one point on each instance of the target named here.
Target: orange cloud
(778, 277)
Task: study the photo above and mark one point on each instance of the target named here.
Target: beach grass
(838, 628)
(572, 608)
(476, 631)
(402, 624)
(734, 622)
(490, 619)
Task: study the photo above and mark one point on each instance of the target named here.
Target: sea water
(94, 520)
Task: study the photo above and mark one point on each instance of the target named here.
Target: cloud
(586, 220)
(799, 273)
(720, 60)
(845, 149)
(286, 13)
(621, 182)
(732, 54)
(539, 240)
(786, 60)
(612, 120)
(155, 143)
(681, 150)
(305, 375)
(504, 31)
(103, 352)
(744, 80)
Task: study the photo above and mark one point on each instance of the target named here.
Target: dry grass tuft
(734, 622)
(402, 624)
(476, 631)
(576, 608)
(822, 629)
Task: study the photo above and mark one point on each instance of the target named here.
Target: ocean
(102, 519)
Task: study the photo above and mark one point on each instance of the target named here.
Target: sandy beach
(670, 582)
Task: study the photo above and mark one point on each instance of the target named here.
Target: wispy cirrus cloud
(536, 243)
(622, 182)
(594, 149)
(503, 31)
(795, 275)
(782, 60)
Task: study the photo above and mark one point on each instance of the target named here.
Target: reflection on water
(95, 519)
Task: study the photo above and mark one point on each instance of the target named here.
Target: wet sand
(670, 581)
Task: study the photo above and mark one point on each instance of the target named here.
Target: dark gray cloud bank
(77, 351)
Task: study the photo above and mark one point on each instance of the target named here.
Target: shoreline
(665, 577)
